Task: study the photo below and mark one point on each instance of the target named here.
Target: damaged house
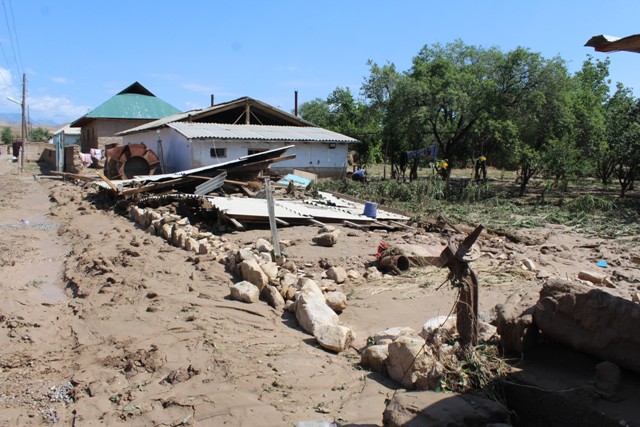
(132, 107)
(245, 126)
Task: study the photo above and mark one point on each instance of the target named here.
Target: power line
(13, 19)
(6, 19)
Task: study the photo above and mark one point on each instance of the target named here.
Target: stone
(437, 325)
(406, 356)
(372, 273)
(590, 276)
(328, 286)
(290, 266)
(591, 320)
(326, 229)
(528, 264)
(273, 297)
(337, 274)
(607, 378)
(334, 337)
(392, 334)
(514, 322)
(191, 244)
(166, 231)
(635, 297)
(252, 272)
(375, 357)
(353, 274)
(431, 409)
(326, 239)
(337, 301)
(262, 245)
(270, 269)
(245, 291)
(244, 255)
(288, 279)
(312, 310)
(203, 247)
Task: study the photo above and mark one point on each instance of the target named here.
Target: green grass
(495, 206)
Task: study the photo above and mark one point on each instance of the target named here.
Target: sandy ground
(104, 324)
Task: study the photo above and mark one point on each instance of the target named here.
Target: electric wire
(6, 19)
(13, 20)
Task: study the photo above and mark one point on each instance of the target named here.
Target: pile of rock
(418, 361)
(179, 232)
(284, 287)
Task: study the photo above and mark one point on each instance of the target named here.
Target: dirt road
(105, 324)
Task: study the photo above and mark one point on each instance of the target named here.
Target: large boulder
(334, 337)
(337, 301)
(592, 321)
(514, 321)
(252, 272)
(430, 409)
(311, 308)
(326, 239)
(407, 355)
(337, 274)
(375, 357)
(245, 291)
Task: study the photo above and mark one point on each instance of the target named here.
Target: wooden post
(272, 218)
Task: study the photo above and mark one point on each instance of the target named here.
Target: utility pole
(24, 123)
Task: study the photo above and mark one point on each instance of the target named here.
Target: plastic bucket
(370, 209)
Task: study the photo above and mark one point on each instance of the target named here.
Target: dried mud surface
(104, 324)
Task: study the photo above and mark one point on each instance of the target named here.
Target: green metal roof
(135, 102)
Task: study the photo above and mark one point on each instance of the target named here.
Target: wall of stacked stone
(276, 282)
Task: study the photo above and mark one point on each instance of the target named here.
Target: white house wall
(178, 153)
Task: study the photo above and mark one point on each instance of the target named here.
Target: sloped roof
(232, 112)
(605, 43)
(134, 102)
(258, 132)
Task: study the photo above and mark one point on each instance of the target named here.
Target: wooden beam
(66, 175)
(108, 181)
(354, 225)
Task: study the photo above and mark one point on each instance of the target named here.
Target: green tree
(589, 94)
(317, 112)
(7, 135)
(623, 136)
(40, 134)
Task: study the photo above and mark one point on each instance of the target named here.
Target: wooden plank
(153, 186)
(354, 225)
(399, 224)
(70, 175)
(108, 181)
(282, 222)
(235, 223)
(316, 222)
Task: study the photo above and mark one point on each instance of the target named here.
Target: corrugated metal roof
(258, 132)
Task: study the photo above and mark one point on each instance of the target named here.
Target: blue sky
(79, 53)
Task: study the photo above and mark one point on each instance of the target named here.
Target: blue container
(370, 209)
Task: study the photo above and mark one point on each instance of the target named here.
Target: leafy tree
(316, 112)
(7, 135)
(623, 136)
(589, 94)
(40, 134)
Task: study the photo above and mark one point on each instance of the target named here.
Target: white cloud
(61, 80)
(196, 87)
(56, 109)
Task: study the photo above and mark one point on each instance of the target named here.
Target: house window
(218, 152)
(251, 151)
(332, 145)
